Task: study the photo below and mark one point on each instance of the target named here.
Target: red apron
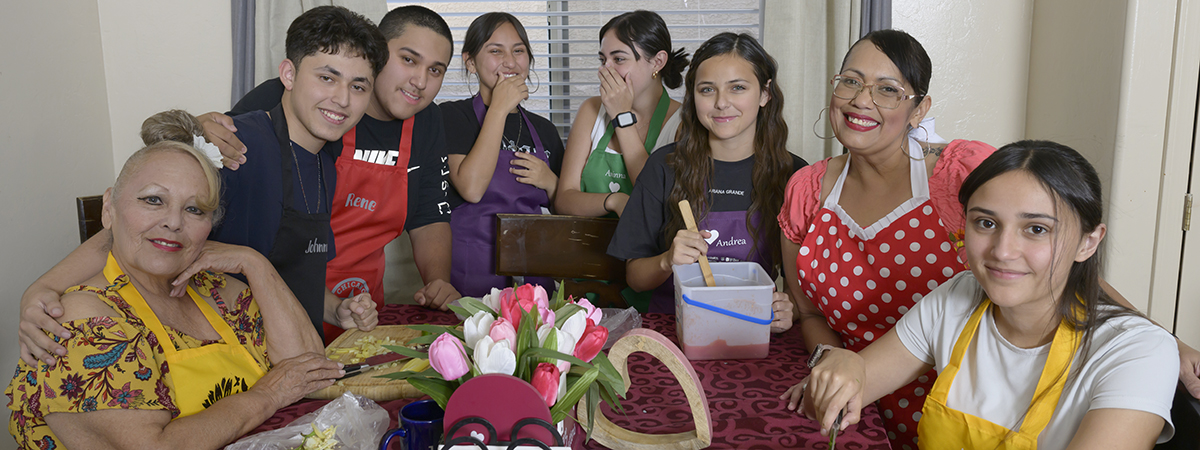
(369, 209)
(863, 280)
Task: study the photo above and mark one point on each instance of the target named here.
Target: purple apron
(473, 225)
(730, 241)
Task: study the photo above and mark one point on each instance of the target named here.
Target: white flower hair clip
(208, 149)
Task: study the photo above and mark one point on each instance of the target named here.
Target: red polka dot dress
(863, 280)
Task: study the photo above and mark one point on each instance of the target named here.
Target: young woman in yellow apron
(1030, 352)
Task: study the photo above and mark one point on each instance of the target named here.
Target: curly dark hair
(334, 29)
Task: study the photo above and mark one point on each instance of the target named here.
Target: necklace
(514, 145)
(320, 183)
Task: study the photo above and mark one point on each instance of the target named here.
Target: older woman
(148, 370)
(871, 232)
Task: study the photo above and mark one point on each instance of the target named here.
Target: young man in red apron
(391, 167)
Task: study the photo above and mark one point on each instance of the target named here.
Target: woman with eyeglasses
(866, 234)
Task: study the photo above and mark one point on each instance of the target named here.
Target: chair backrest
(571, 248)
(88, 209)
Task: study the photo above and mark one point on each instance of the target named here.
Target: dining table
(743, 395)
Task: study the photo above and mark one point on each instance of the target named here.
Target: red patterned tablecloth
(742, 394)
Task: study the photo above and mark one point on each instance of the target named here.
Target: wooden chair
(570, 248)
(88, 209)
(1185, 415)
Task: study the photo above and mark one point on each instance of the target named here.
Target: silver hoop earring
(814, 127)
(538, 84)
(905, 151)
(469, 90)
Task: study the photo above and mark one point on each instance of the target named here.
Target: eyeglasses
(885, 96)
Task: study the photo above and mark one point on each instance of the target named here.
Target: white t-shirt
(1132, 364)
(666, 136)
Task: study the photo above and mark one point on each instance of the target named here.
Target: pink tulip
(594, 337)
(545, 380)
(448, 358)
(505, 299)
(503, 329)
(526, 298)
(510, 309)
(593, 313)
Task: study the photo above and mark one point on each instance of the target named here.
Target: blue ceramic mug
(420, 426)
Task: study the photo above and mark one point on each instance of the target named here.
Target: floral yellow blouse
(117, 363)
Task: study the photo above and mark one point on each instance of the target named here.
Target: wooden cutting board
(366, 384)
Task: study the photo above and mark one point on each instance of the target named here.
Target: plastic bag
(619, 321)
(360, 423)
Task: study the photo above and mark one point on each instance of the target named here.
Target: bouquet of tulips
(553, 343)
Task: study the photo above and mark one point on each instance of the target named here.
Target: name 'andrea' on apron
(199, 376)
(604, 171)
(729, 240)
(473, 225)
(301, 244)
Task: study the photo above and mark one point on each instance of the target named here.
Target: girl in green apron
(1030, 351)
(615, 132)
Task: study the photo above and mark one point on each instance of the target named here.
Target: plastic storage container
(729, 321)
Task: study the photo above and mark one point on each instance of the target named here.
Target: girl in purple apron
(730, 163)
(502, 158)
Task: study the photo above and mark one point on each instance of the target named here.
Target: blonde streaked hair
(173, 131)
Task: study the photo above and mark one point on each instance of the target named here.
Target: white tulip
(492, 300)
(495, 357)
(476, 327)
(575, 325)
(566, 346)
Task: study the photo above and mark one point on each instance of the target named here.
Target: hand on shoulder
(83, 305)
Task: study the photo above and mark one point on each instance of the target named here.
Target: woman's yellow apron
(200, 376)
(944, 428)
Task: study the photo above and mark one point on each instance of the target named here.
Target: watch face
(625, 119)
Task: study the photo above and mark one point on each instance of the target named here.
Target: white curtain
(271, 20)
(809, 39)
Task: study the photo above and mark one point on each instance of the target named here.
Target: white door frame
(1174, 284)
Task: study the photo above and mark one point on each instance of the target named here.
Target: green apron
(605, 172)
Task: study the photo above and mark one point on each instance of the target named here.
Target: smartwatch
(817, 354)
(624, 119)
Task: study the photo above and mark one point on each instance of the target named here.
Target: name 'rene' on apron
(370, 207)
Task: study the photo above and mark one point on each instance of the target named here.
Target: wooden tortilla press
(612, 436)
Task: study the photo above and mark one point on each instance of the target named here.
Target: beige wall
(163, 55)
(55, 142)
(77, 80)
(980, 53)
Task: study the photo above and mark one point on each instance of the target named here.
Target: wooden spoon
(689, 219)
